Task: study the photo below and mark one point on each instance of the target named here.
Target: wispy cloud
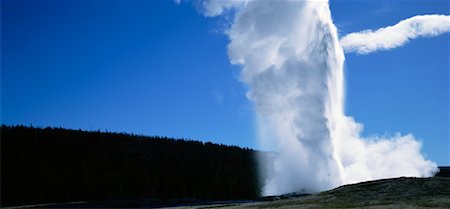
(212, 8)
(218, 96)
(390, 37)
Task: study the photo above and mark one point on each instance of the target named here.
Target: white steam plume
(293, 64)
(213, 8)
(390, 37)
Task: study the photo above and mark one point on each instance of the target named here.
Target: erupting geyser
(293, 64)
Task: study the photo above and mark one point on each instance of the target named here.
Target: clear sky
(156, 68)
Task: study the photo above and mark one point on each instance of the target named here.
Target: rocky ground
(388, 193)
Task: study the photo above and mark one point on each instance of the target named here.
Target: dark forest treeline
(60, 165)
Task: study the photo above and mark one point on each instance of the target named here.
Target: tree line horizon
(55, 165)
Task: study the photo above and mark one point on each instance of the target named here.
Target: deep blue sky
(155, 68)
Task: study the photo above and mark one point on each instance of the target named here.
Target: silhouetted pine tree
(61, 165)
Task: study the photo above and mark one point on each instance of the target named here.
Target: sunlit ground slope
(387, 193)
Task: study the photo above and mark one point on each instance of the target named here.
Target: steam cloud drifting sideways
(292, 62)
(368, 41)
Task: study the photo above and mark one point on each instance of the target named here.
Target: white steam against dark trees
(292, 62)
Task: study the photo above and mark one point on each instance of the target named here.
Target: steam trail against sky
(390, 37)
(293, 64)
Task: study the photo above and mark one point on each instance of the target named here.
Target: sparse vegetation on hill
(47, 165)
(402, 192)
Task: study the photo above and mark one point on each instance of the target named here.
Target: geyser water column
(293, 65)
(292, 62)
